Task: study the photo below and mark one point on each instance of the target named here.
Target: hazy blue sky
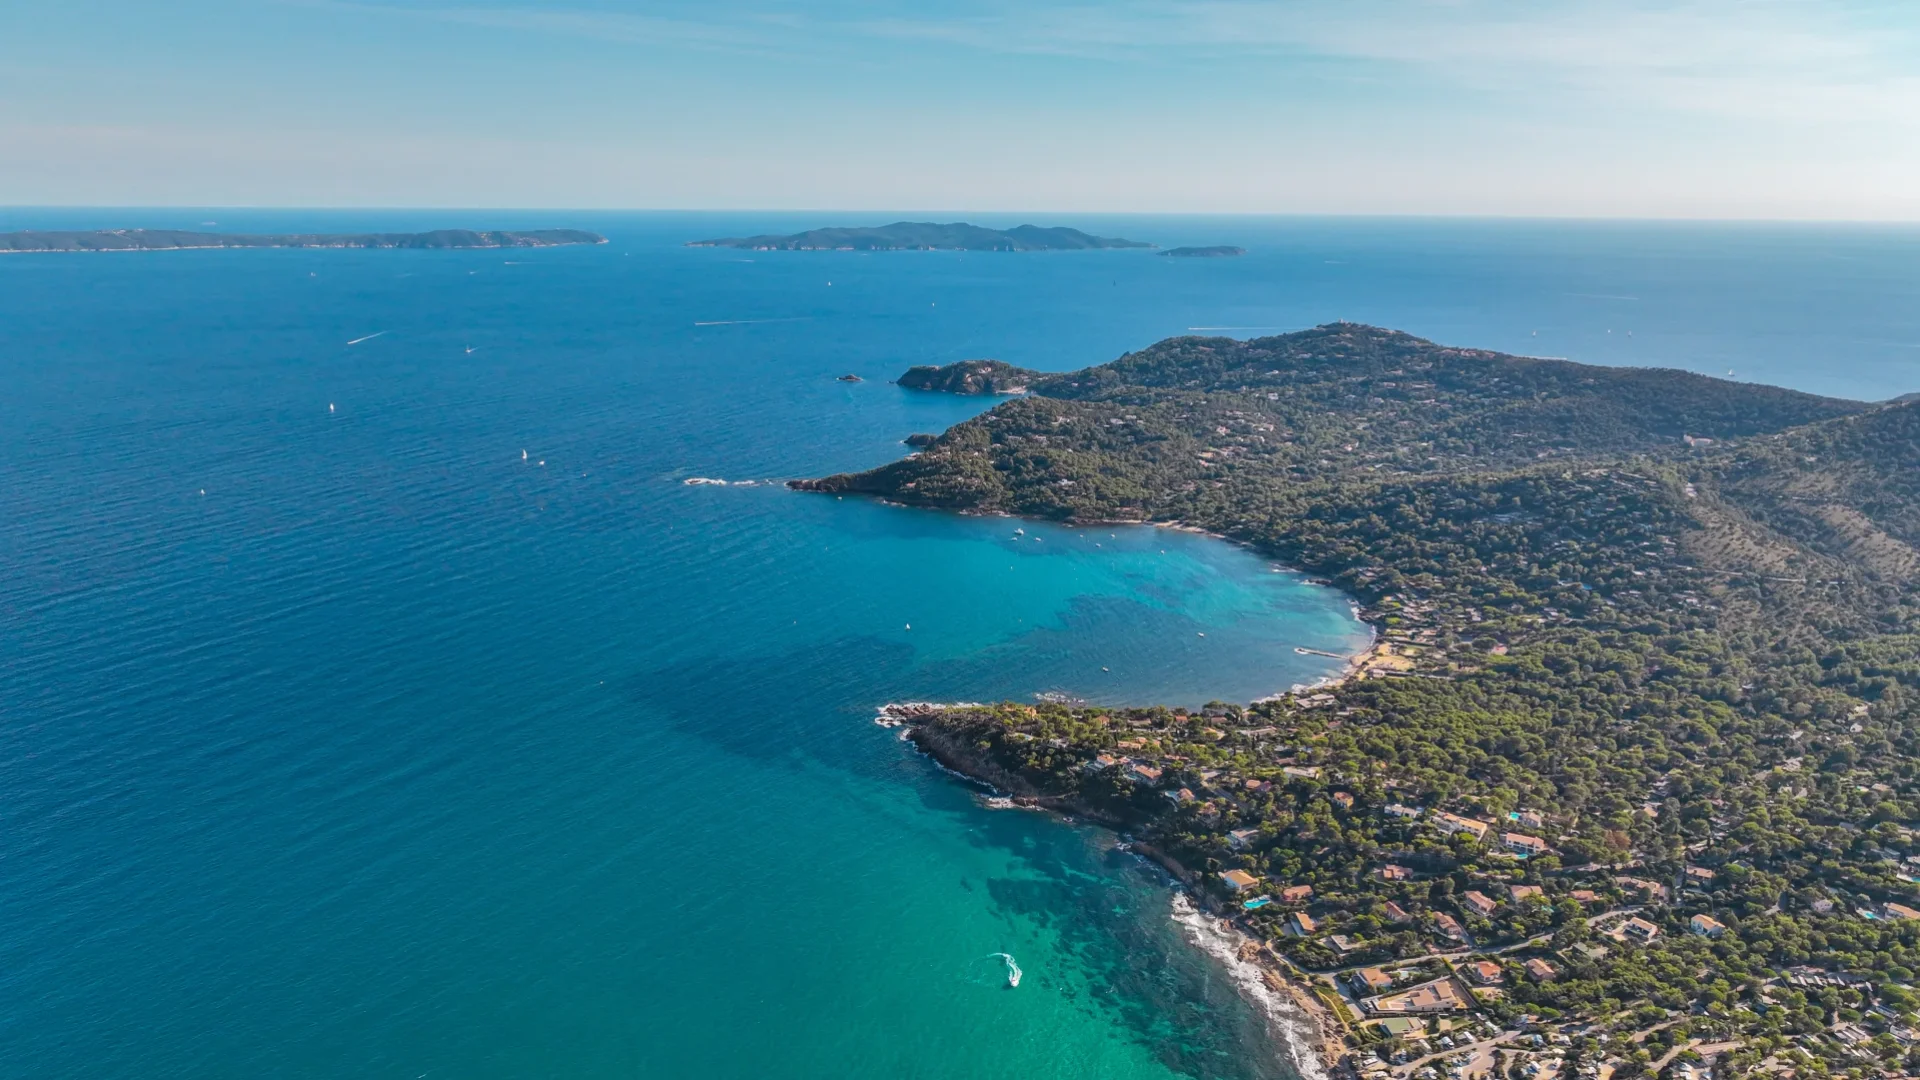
(1714, 108)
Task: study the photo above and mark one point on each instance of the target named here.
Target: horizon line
(1293, 214)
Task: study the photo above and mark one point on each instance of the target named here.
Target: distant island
(1217, 251)
(927, 236)
(178, 240)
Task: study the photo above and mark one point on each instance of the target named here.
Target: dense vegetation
(172, 239)
(927, 236)
(1659, 626)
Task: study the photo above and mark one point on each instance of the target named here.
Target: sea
(377, 698)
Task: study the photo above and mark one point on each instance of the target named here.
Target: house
(1454, 823)
(1343, 800)
(1706, 926)
(1901, 911)
(1242, 839)
(1521, 892)
(1238, 880)
(1402, 811)
(1698, 875)
(1310, 772)
(1104, 761)
(1344, 943)
(1639, 929)
(1524, 844)
(1485, 973)
(1402, 1027)
(1398, 914)
(1585, 896)
(1184, 795)
(1390, 872)
(1449, 926)
(1144, 773)
(1369, 981)
(1438, 996)
(1529, 819)
(1540, 971)
(1652, 890)
(1300, 924)
(1294, 894)
(1479, 903)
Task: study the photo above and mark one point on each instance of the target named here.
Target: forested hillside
(1658, 626)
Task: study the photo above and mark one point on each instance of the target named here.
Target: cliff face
(970, 377)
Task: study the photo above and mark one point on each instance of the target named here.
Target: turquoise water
(336, 738)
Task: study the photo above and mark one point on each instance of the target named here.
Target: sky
(1771, 109)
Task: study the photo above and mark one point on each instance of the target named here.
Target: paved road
(1417, 1064)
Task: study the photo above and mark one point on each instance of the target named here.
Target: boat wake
(1013, 969)
(1223, 943)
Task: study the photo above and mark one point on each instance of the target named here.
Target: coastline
(1311, 1035)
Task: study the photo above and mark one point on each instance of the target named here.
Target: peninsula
(1217, 251)
(1631, 775)
(176, 240)
(927, 236)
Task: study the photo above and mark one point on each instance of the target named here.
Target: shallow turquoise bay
(337, 739)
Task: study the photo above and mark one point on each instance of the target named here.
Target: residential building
(1640, 929)
(1242, 839)
(1438, 996)
(1540, 971)
(1706, 926)
(1522, 892)
(1524, 844)
(1390, 872)
(1479, 903)
(1300, 924)
(1454, 823)
(1485, 972)
(1398, 914)
(1369, 981)
(1238, 880)
(1449, 926)
(1401, 811)
(1343, 800)
(1144, 773)
(1294, 894)
(1902, 911)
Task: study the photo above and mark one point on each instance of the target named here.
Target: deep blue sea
(376, 700)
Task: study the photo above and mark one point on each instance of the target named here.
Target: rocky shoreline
(1326, 1053)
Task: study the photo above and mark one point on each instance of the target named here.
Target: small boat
(523, 455)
